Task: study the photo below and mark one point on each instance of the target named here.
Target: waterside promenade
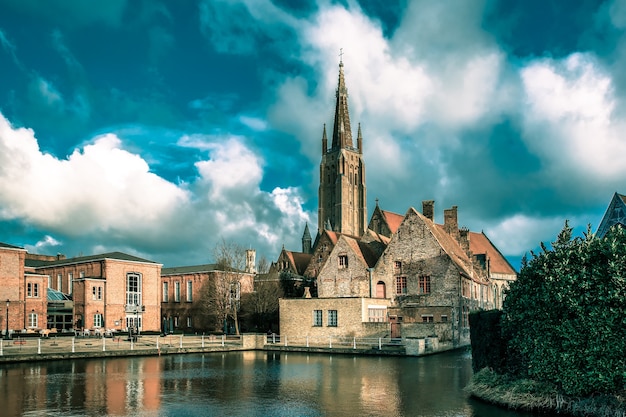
(30, 349)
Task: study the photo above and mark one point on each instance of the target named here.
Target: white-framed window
(33, 320)
(427, 318)
(133, 289)
(96, 292)
(343, 261)
(82, 274)
(98, 320)
(60, 282)
(49, 281)
(189, 321)
(189, 292)
(133, 322)
(377, 314)
(177, 292)
(332, 318)
(317, 318)
(32, 290)
(70, 283)
(166, 292)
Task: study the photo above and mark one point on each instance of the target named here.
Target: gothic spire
(342, 133)
(306, 240)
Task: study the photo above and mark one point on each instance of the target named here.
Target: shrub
(566, 314)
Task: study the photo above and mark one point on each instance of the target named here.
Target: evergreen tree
(565, 316)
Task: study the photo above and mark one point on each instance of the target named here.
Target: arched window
(381, 290)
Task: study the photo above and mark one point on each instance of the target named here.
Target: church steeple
(342, 133)
(342, 192)
(306, 240)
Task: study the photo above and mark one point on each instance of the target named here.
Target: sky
(162, 128)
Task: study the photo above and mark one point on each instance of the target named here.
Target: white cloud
(99, 188)
(508, 237)
(568, 119)
(231, 168)
(107, 198)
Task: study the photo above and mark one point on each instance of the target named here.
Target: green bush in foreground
(566, 314)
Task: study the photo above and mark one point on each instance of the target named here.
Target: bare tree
(264, 265)
(261, 306)
(222, 295)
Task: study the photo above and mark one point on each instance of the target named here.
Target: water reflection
(244, 384)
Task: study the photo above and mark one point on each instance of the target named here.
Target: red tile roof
(393, 220)
(480, 243)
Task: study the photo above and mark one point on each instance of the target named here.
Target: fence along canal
(65, 347)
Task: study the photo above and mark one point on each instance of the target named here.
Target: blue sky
(161, 128)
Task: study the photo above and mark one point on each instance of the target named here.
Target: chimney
(464, 240)
(428, 209)
(450, 222)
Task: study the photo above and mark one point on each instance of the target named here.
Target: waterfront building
(401, 276)
(111, 291)
(185, 291)
(615, 215)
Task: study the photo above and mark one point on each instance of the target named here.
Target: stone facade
(342, 193)
(322, 317)
(429, 276)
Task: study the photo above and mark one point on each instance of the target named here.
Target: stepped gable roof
(7, 246)
(191, 269)
(393, 220)
(110, 255)
(299, 260)
(480, 243)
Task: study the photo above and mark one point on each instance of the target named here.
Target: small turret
(306, 240)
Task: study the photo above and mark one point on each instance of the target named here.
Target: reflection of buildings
(114, 387)
(399, 275)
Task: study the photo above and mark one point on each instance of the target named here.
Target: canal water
(244, 384)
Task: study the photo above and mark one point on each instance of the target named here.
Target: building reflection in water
(242, 384)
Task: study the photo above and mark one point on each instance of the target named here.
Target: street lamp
(6, 334)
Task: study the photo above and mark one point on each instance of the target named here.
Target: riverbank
(528, 395)
(62, 348)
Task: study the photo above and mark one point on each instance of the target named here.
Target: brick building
(401, 276)
(184, 292)
(110, 291)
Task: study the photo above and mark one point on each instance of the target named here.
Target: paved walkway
(65, 347)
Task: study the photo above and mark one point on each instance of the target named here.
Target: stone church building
(398, 276)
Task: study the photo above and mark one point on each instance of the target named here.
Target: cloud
(106, 198)
(571, 102)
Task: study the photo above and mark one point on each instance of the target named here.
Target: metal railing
(332, 342)
(72, 344)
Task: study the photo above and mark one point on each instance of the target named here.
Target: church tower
(342, 199)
